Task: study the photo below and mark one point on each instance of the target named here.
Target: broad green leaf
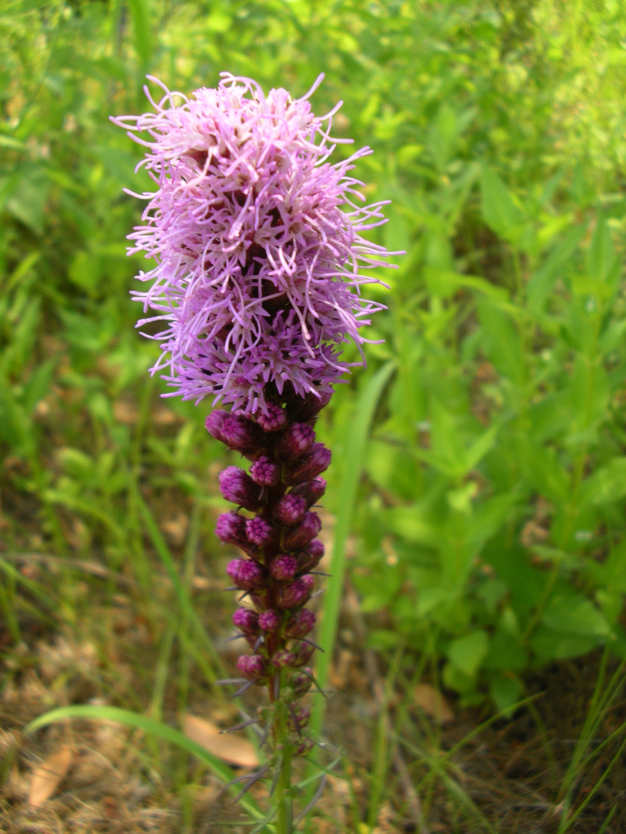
(500, 211)
(506, 652)
(444, 283)
(29, 199)
(414, 524)
(550, 645)
(505, 692)
(602, 261)
(502, 340)
(606, 484)
(541, 284)
(573, 614)
(467, 653)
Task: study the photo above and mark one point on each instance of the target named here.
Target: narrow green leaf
(182, 595)
(156, 728)
(355, 455)
(142, 30)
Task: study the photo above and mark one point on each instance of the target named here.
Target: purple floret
(265, 472)
(284, 568)
(273, 419)
(259, 531)
(290, 510)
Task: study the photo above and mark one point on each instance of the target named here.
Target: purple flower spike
(302, 535)
(265, 472)
(246, 574)
(312, 556)
(253, 666)
(259, 531)
(237, 486)
(295, 442)
(296, 594)
(284, 568)
(246, 620)
(231, 528)
(301, 624)
(317, 461)
(248, 218)
(274, 420)
(290, 510)
(270, 620)
(283, 659)
(311, 491)
(214, 423)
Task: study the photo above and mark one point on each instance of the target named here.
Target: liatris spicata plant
(259, 261)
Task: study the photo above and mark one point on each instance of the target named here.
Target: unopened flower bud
(270, 620)
(283, 659)
(259, 531)
(301, 682)
(237, 486)
(295, 442)
(312, 556)
(284, 568)
(301, 714)
(302, 535)
(303, 653)
(214, 423)
(316, 462)
(296, 594)
(290, 510)
(311, 491)
(231, 528)
(274, 420)
(246, 574)
(312, 404)
(304, 746)
(240, 434)
(247, 621)
(265, 472)
(253, 666)
(301, 623)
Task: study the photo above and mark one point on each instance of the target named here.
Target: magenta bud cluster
(276, 528)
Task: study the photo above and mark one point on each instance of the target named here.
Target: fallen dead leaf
(48, 776)
(226, 746)
(433, 703)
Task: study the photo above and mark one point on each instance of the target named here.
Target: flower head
(257, 244)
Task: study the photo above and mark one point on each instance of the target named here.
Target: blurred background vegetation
(488, 536)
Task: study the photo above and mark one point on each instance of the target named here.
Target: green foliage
(490, 523)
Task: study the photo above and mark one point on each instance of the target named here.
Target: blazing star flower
(257, 244)
(258, 275)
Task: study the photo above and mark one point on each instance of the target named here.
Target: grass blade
(355, 447)
(148, 725)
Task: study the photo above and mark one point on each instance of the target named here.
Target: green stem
(284, 816)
